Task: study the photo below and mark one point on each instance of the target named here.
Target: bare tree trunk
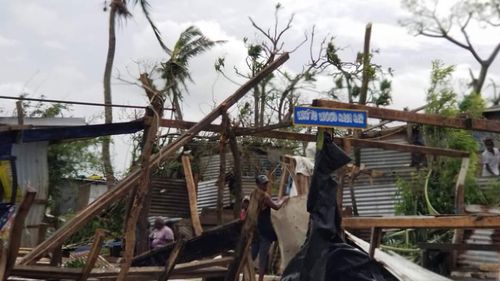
(222, 171)
(262, 103)
(177, 106)
(233, 145)
(142, 223)
(256, 97)
(364, 84)
(479, 82)
(108, 110)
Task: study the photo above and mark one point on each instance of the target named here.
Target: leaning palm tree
(118, 10)
(175, 71)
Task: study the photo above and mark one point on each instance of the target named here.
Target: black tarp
(324, 255)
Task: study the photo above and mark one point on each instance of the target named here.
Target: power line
(78, 102)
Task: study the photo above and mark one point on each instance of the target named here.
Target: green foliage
(75, 263)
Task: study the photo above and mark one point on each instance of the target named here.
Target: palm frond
(145, 6)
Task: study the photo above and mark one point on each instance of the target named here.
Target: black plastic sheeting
(325, 256)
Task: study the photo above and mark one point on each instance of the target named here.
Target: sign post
(329, 118)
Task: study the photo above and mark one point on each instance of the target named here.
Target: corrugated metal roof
(170, 198)
(378, 196)
(32, 171)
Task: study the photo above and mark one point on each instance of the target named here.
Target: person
(265, 229)
(490, 159)
(161, 234)
(244, 207)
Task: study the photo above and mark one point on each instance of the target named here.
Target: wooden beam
(221, 181)
(100, 234)
(172, 260)
(191, 190)
(241, 252)
(413, 117)
(186, 267)
(362, 143)
(16, 230)
(465, 222)
(375, 238)
(458, 234)
(124, 186)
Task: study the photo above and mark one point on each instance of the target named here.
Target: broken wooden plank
(484, 125)
(186, 267)
(123, 187)
(399, 267)
(100, 234)
(191, 190)
(16, 230)
(375, 238)
(422, 222)
(249, 225)
(172, 260)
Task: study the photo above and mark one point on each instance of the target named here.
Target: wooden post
(248, 269)
(191, 190)
(458, 234)
(172, 260)
(20, 112)
(246, 236)
(3, 260)
(16, 231)
(375, 238)
(124, 186)
(221, 182)
(100, 234)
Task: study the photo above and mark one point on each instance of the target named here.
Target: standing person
(490, 159)
(264, 226)
(161, 234)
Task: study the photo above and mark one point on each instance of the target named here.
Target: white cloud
(56, 45)
(7, 42)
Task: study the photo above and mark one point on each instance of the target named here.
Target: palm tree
(175, 71)
(118, 10)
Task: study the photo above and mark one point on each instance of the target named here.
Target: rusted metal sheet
(170, 198)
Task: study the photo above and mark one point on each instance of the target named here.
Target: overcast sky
(57, 48)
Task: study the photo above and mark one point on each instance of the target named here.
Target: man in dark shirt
(264, 225)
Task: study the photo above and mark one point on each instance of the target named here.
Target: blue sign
(326, 117)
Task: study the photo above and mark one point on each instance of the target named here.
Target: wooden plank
(375, 238)
(462, 247)
(464, 222)
(186, 267)
(221, 181)
(172, 260)
(484, 125)
(458, 234)
(191, 190)
(100, 234)
(135, 273)
(397, 265)
(3, 260)
(152, 119)
(241, 252)
(124, 186)
(16, 230)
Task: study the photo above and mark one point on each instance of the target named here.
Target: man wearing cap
(490, 159)
(264, 225)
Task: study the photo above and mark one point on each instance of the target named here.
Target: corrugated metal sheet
(472, 259)
(251, 163)
(32, 171)
(378, 196)
(170, 198)
(207, 192)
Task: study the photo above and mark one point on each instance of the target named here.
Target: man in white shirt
(490, 159)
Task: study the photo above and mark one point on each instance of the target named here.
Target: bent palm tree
(175, 71)
(118, 10)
